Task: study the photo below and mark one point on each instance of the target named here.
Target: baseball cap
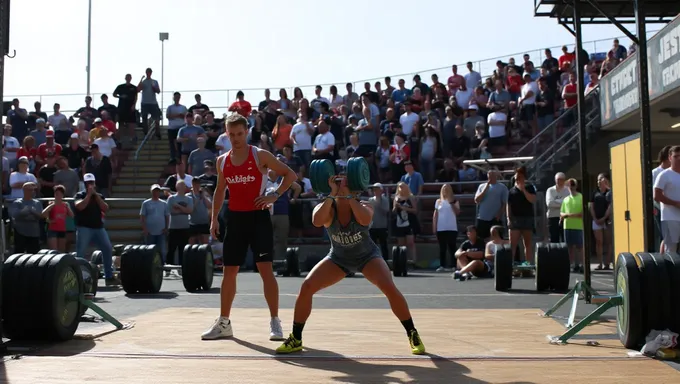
(74, 135)
(473, 106)
(155, 186)
(97, 120)
(23, 159)
(94, 146)
(88, 177)
(526, 74)
(40, 121)
(49, 133)
(377, 185)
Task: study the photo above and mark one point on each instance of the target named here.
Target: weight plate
(195, 264)
(208, 271)
(629, 315)
(292, 262)
(358, 174)
(545, 269)
(47, 252)
(64, 284)
(320, 172)
(561, 265)
(156, 271)
(673, 268)
(97, 258)
(129, 270)
(403, 261)
(664, 284)
(90, 275)
(503, 268)
(396, 269)
(650, 290)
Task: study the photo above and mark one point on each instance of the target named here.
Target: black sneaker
(112, 281)
(456, 275)
(465, 277)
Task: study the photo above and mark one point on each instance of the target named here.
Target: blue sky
(220, 45)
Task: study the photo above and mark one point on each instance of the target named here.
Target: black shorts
(248, 229)
(402, 231)
(200, 229)
(484, 227)
(126, 115)
(527, 112)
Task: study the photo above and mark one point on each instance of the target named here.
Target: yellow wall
(626, 173)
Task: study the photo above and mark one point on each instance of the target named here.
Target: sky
(220, 45)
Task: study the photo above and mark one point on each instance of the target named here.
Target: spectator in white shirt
(301, 135)
(10, 146)
(336, 100)
(667, 193)
(408, 120)
(20, 177)
(527, 104)
(664, 163)
(324, 143)
(223, 144)
(553, 201)
(497, 123)
(473, 78)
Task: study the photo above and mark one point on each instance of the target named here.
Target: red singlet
(246, 182)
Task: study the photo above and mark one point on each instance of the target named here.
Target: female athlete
(346, 220)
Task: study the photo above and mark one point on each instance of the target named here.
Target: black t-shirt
(547, 97)
(111, 109)
(91, 216)
(47, 174)
(476, 141)
(550, 63)
(201, 106)
(461, 146)
(601, 202)
(87, 113)
(127, 95)
(518, 203)
(30, 121)
(75, 157)
(477, 246)
(101, 169)
(214, 127)
(447, 175)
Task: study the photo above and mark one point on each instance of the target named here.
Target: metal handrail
(484, 67)
(153, 124)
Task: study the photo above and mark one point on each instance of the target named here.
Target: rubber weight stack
(90, 274)
(41, 297)
(629, 315)
(559, 254)
(672, 261)
(650, 290)
(290, 266)
(118, 249)
(358, 174)
(545, 268)
(663, 282)
(197, 267)
(399, 261)
(141, 269)
(97, 258)
(503, 268)
(319, 173)
(47, 252)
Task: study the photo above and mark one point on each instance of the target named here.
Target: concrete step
(141, 174)
(124, 213)
(159, 163)
(125, 236)
(141, 167)
(133, 195)
(136, 180)
(140, 189)
(127, 204)
(123, 224)
(149, 156)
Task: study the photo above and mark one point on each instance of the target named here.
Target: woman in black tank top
(342, 209)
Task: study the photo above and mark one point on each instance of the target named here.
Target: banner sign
(663, 51)
(619, 91)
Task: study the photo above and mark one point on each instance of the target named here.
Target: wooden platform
(347, 346)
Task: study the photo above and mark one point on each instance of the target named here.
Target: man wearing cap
(381, 211)
(198, 157)
(473, 120)
(48, 146)
(155, 218)
(20, 177)
(90, 225)
(26, 214)
(39, 133)
(99, 166)
(94, 132)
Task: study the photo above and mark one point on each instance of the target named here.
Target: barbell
(552, 269)
(357, 172)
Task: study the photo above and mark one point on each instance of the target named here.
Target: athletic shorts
(670, 230)
(200, 229)
(402, 231)
(56, 234)
(484, 227)
(597, 227)
(353, 264)
(573, 237)
(248, 229)
(126, 115)
(488, 269)
(519, 223)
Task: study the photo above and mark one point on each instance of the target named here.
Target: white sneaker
(275, 330)
(219, 330)
(441, 269)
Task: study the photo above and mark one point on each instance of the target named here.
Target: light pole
(89, 43)
(162, 37)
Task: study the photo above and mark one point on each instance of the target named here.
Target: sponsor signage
(664, 60)
(619, 91)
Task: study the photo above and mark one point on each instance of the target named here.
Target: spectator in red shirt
(241, 106)
(48, 146)
(56, 213)
(455, 79)
(569, 92)
(28, 150)
(567, 57)
(513, 83)
(109, 124)
(400, 152)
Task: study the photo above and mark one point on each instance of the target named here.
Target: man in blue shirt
(188, 137)
(413, 179)
(402, 93)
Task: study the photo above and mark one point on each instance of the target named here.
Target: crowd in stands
(410, 134)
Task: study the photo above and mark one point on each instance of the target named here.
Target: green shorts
(70, 224)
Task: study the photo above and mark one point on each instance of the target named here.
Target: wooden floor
(346, 346)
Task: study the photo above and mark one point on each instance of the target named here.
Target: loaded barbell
(552, 269)
(357, 172)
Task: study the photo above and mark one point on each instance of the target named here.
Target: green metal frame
(86, 300)
(605, 302)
